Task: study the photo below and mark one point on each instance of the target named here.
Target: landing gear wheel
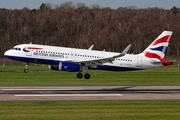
(87, 76)
(26, 70)
(79, 75)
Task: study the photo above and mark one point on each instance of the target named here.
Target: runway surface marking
(86, 93)
(51, 89)
(68, 95)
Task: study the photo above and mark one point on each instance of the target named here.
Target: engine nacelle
(66, 66)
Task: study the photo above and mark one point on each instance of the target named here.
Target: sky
(114, 4)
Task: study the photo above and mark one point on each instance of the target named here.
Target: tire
(26, 70)
(79, 75)
(87, 76)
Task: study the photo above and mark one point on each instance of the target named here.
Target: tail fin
(157, 49)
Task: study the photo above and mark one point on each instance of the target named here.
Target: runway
(89, 93)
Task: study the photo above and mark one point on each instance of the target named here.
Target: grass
(106, 110)
(124, 110)
(40, 75)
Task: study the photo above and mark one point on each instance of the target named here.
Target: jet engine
(66, 66)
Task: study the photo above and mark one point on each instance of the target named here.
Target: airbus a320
(77, 60)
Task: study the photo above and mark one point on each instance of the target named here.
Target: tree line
(80, 26)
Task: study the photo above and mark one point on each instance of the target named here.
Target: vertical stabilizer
(157, 49)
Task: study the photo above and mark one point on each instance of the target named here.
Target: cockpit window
(18, 49)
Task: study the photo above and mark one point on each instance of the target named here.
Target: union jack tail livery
(157, 49)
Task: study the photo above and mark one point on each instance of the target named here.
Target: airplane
(77, 60)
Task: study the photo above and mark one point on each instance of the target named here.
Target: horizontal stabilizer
(164, 62)
(168, 62)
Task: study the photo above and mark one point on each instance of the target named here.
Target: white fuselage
(42, 54)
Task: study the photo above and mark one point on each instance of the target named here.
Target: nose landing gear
(26, 70)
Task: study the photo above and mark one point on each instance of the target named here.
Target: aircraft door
(139, 61)
(28, 51)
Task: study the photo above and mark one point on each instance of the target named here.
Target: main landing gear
(26, 70)
(86, 76)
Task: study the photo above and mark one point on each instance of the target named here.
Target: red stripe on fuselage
(34, 48)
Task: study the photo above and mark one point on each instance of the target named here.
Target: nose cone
(7, 53)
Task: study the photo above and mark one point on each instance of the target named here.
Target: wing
(100, 61)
